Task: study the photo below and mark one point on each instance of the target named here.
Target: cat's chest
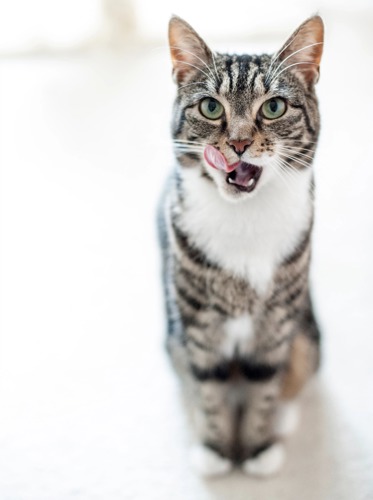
(247, 239)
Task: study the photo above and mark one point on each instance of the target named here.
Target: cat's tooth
(230, 180)
(251, 182)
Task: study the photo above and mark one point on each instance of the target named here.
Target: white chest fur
(252, 237)
(238, 336)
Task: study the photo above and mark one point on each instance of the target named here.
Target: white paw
(287, 419)
(207, 462)
(267, 463)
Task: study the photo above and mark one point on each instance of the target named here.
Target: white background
(89, 405)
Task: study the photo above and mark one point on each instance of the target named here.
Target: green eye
(211, 108)
(273, 108)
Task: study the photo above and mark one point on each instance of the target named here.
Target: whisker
(191, 143)
(202, 61)
(216, 71)
(289, 157)
(302, 141)
(302, 162)
(294, 151)
(277, 55)
(193, 83)
(292, 172)
(298, 148)
(280, 172)
(183, 152)
(189, 148)
(292, 54)
(276, 75)
(289, 173)
(194, 66)
(297, 152)
(289, 170)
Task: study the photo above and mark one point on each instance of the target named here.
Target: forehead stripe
(228, 67)
(242, 73)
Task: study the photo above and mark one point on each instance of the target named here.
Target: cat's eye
(211, 108)
(273, 108)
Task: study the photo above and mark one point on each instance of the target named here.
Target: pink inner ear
(217, 160)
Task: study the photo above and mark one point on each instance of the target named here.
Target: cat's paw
(207, 462)
(287, 419)
(267, 463)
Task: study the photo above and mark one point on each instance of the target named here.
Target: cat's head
(241, 120)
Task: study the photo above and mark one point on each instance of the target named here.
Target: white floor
(89, 405)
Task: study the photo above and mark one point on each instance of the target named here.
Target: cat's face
(244, 121)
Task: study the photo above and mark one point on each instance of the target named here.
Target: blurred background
(89, 405)
(37, 26)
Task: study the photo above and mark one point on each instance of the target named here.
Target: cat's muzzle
(242, 175)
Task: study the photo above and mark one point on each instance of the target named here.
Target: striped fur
(241, 329)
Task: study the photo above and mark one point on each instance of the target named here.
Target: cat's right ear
(189, 53)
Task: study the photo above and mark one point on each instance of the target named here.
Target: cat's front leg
(271, 410)
(212, 412)
(262, 454)
(207, 392)
(213, 419)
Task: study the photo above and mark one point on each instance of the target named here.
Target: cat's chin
(234, 195)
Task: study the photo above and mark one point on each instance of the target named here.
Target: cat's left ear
(189, 53)
(303, 50)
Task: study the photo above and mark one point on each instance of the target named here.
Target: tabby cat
(235, 228)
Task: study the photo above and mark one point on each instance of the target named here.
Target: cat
(235, 230)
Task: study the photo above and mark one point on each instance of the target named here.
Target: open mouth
(244, 177)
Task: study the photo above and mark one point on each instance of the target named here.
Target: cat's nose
(240, 147)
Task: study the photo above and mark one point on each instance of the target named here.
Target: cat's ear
(303, 50)
(189, 53)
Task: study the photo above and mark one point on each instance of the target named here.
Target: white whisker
(294, 151)
(216, 71)
(194, 66)
(291, 55)
(181, 141)
(301, 162)
(287, 158)
(193, 83)
(199, 58)
(298, 148)
(276, 75)
(188, 148)
(304, 141)
(288, 173)
(277, 55)
(289, 170)
(281, 175)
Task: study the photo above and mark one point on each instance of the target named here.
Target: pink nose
(240, 147)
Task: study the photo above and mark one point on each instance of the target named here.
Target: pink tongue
(215, 158)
